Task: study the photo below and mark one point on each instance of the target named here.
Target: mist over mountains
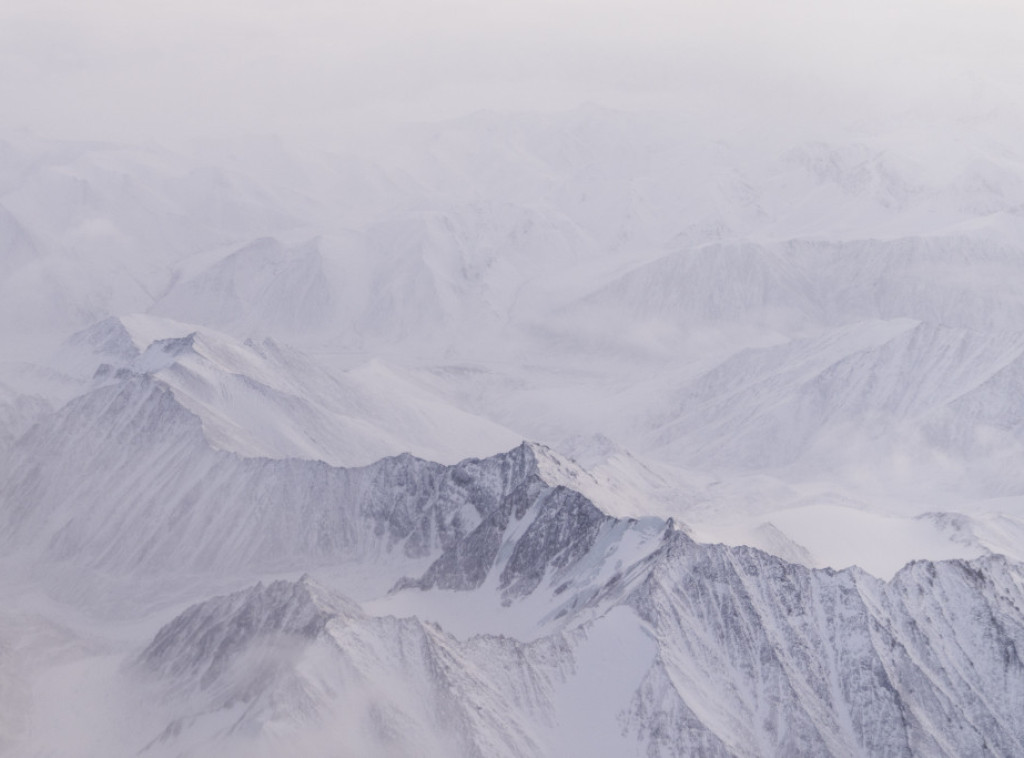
(519, 434)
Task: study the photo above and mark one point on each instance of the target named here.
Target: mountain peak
(205, 639)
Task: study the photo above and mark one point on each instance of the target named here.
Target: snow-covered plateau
(579, 434)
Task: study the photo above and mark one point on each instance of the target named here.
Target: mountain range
(514, 435)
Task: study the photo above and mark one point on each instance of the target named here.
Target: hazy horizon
(117, 70)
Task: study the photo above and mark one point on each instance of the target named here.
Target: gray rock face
(535, 529)
(760, 657)
(563, 532)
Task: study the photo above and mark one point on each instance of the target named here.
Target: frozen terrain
(515, 435)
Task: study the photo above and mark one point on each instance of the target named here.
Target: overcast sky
(114, 68)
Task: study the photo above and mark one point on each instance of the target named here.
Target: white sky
(114, 68)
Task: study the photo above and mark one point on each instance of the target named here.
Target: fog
(118, 69)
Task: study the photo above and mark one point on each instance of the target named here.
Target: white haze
(130, 70)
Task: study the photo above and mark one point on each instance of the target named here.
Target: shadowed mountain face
(190, 506)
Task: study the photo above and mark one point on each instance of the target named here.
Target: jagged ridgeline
(483, 609)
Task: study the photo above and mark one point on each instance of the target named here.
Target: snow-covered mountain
(262, 471)
(692, 648)
(712, 651)
(705, 648)
(266, 398)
